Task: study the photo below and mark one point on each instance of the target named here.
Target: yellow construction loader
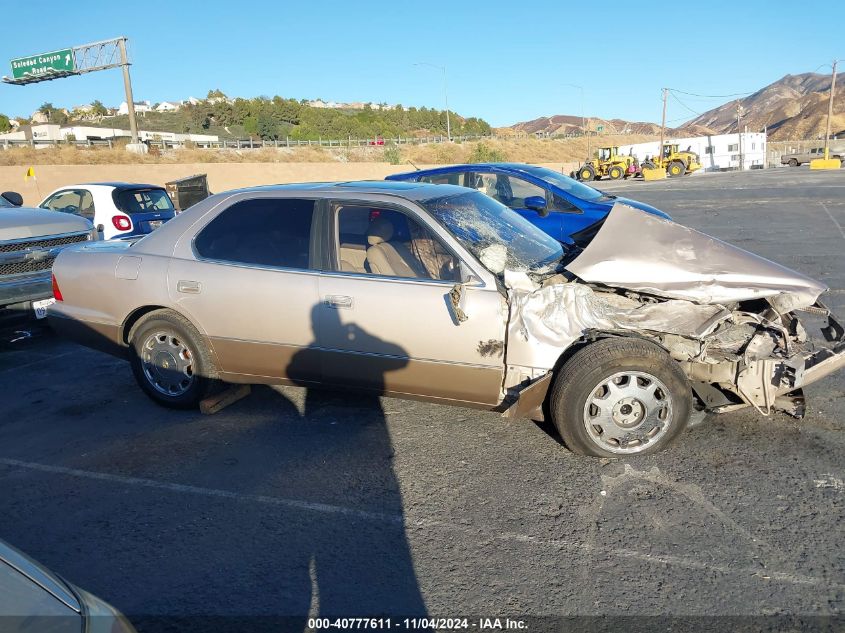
(609, 164)
(673, 162)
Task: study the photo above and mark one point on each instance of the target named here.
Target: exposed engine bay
(729, 317)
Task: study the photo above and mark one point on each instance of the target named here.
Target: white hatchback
(119, 210)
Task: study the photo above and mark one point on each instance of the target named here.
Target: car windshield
(499, 238)
(5, 203)
(569, 185)
(145, 201)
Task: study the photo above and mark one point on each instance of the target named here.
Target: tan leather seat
(353, 258)
(390, 258)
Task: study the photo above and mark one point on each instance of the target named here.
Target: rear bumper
(99, 336)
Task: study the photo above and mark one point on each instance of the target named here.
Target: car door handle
(338, 301)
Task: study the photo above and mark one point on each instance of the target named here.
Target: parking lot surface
(291, 503)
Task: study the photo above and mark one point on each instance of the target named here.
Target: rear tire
(676, 168)
(619, 397)
(616, 172)
(171, 360)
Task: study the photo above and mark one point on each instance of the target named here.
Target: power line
(684, 104)
(692, 94)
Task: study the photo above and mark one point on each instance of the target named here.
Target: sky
(506, 61)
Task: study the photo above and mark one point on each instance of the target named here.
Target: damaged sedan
(437, 292)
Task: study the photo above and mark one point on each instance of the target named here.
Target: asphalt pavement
(293, 503)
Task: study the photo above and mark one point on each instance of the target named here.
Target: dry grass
(518, 150)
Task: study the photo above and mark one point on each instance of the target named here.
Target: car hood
(645, 253)
(22, 222)
(642, 206)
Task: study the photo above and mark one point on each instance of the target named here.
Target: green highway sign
(43, 64)
(599, 128)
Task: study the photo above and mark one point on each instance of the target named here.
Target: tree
(98, 109)
(46, 108)
(216, 94)
(4, 123)
(251, 125)
(266, 127)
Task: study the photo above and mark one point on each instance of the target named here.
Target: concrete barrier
(221, 176)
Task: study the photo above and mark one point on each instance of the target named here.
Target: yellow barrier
(825, 163)
(657, 173)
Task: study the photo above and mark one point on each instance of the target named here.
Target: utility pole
(663, 127)
(583, 118)
(127, 85)
(829, 111)
(739, 133)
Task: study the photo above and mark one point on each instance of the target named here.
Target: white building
(51, 132)
(167, 106)
(140, 107)
(718, 152)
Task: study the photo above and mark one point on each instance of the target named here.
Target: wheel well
(133, 318)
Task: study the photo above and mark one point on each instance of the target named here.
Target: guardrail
(252, 143)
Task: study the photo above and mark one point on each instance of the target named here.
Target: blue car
(556, 204)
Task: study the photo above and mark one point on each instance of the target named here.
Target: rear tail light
(121, 222)
(57, 294)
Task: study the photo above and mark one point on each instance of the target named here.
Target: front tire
(615, 172)
(793, 162)
(619, 397)
(586, 173)
(676, 168)
(171, 361)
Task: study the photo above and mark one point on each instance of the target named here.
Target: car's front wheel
(171, 361)
(618, 397)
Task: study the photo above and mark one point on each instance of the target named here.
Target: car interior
(387, 242)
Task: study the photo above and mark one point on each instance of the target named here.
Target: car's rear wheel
(171, 361)
(620, 397)
(615, 172)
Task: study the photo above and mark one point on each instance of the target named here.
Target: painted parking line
(294, 504)
(766, 575)
(833, 219)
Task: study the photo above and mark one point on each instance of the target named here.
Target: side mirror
(538, 204)
(14, 197)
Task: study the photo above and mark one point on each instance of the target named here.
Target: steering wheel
(71, 208)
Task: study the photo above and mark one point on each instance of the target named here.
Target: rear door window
(263, 232)
(144, 201)
(444, 179)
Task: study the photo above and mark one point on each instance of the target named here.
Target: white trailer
(717, 153)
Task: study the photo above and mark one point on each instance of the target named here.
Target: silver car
(35, 600)
(440, 293)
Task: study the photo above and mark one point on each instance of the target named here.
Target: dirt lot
(292, 503)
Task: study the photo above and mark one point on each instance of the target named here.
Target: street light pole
(583, 118)
(445, 95)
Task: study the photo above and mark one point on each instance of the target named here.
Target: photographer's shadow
(361, 562)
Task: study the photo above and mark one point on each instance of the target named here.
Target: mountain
(567, 124)
(792, 108)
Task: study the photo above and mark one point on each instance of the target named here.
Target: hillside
(563, 124)
(277, 118)
(794, 107)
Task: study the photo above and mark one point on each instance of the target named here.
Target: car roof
(120, 186)
(408, 190)
(516, 167)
